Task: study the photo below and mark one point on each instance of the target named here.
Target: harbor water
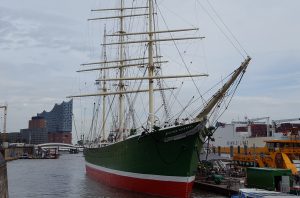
(64, 177)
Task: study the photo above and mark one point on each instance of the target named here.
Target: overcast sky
(43, 42)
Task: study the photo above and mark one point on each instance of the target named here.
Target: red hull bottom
(153, 187)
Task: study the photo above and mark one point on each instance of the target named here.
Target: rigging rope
(230, 32)
(90, 134)
(181, 57)
(221, 30)
(234, 91)
(214, 86)
(159, 72)
(106, 117)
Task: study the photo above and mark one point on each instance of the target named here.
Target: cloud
(23, 30)
(262, 106)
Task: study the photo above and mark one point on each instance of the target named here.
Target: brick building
(36, 133)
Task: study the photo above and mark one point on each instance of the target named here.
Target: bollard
(245, 149)
(231, 151)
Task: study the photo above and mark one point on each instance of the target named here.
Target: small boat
(24, 156)
(259, 193)
(73, 151)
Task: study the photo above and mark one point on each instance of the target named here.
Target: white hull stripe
(142, 176)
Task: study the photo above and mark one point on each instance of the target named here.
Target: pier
(221, 189)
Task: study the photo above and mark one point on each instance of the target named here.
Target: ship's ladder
(289, 164)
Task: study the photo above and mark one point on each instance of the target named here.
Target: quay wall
(3, 178)
(13, 153)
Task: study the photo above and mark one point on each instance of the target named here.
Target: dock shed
(269, 179)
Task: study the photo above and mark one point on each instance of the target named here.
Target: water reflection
(64, 177)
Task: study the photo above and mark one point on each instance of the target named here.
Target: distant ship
(256, 143)
(251, 135)
(158, 158)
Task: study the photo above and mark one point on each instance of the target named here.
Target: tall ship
(159, 156)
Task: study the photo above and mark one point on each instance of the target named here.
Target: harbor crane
(257, 119)
(276, 122)
(285, 120)
(251, 121)
(4, 122)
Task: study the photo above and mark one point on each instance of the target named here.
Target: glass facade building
(59, 119)
(52, 126)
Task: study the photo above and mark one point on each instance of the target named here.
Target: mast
(121, 63)
(104, 89)
(121, 70)
(151, 66)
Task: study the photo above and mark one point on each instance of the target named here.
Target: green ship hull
(163, 162)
